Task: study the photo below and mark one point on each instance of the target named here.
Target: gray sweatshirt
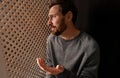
(79, 56)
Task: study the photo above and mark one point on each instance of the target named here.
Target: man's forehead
(54, 9)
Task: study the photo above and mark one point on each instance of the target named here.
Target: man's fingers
(61, 68)
(41, 63)
(50, 70)
(38, 61)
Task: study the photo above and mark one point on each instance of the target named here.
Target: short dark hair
(65, 6)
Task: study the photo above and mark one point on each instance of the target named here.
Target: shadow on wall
(104, 22)
(101, 19)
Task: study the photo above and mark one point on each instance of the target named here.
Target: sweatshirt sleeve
(48, 58)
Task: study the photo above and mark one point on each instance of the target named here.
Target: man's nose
(49, 22)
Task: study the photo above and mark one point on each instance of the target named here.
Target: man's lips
(53, 27)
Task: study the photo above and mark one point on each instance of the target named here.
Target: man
(71, 53)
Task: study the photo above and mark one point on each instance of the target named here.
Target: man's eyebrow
(52, 14)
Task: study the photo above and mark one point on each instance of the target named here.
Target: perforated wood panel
(23, 33)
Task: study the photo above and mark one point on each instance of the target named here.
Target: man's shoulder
(90, 43)
(87, 36)
(51, 37)
(88, 39)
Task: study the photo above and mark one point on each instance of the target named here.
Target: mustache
(52, 26)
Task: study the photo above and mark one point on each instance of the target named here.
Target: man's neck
(70, 33)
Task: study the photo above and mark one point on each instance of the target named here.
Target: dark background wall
(101, 19)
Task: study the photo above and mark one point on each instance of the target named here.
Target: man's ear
(69, 16)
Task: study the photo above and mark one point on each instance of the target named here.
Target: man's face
(56, 21)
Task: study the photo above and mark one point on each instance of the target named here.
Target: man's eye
(50, 17)
(54, 15)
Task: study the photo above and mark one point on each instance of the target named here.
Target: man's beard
(61, 28)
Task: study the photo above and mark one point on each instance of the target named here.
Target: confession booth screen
(23, 34)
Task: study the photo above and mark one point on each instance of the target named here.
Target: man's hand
(50, 70)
